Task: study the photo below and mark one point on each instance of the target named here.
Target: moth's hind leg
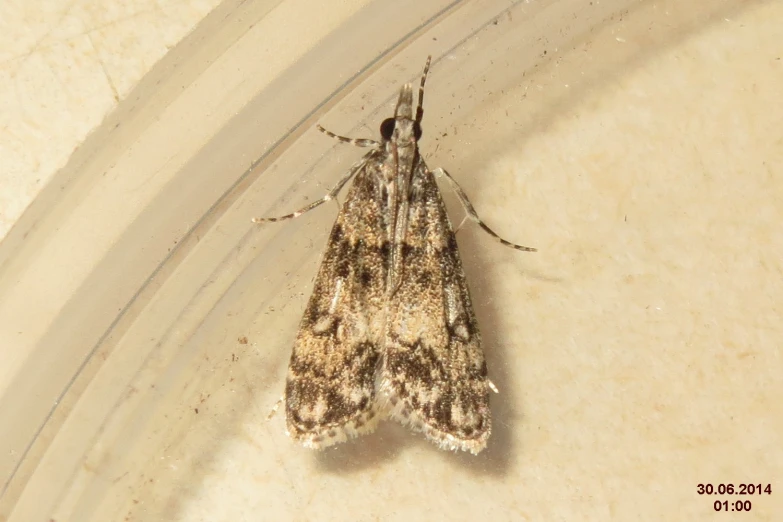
(472, 214)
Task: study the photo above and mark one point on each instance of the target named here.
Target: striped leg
(356, 142)
(332, 194)
(275, 407)
(474, 216)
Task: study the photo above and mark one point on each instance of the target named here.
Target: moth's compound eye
(416, 130)
(387, 128)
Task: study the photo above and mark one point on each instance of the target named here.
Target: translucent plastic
(148, 323)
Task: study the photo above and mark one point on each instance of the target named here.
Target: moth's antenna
(420, 107)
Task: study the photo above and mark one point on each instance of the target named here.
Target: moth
(389, 331)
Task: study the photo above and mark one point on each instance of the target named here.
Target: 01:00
(739, 505)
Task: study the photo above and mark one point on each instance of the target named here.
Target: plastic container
(147, 323)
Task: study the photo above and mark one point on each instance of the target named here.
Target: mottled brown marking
(389, 330)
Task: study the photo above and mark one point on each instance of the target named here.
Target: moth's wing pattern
(330, 388)
(434, 376)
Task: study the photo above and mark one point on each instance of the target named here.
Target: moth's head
(402, 129)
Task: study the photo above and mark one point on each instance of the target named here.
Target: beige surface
(637, 354)
(63, 66)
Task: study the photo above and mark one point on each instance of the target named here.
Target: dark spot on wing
(337, 234)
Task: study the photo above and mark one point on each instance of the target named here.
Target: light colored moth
(389, 331)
